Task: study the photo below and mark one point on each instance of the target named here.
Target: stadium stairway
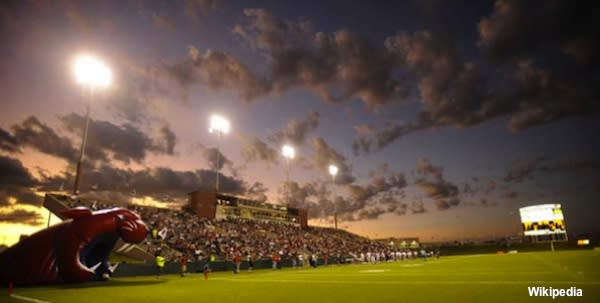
(56, 204)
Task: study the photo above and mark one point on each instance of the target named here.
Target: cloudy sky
(444, 118)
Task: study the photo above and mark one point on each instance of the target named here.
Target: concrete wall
(147, 269)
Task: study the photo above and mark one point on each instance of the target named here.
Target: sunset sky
(443, 117)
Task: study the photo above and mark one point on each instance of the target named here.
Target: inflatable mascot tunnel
(73, 251)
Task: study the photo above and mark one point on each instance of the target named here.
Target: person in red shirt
(237, 260)
(275, 258)
(183, 265)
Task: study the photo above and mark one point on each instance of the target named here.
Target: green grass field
(471, 278)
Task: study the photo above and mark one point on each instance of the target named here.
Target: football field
(470, 278)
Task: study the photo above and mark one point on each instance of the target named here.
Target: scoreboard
(544, 219)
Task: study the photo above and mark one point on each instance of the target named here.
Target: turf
(472, 278)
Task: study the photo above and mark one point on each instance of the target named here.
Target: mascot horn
(73, 251)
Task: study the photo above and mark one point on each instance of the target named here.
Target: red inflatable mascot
(73, 251)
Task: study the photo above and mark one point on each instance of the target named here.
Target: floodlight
(91, 72)
(333, 170)
(288, 151)
(219, 124)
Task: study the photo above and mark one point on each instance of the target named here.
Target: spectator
(160, 264)
(183, 265)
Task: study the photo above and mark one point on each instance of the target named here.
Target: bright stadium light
(333, 170)
(288, 152)
(92, 74)
(218, 125)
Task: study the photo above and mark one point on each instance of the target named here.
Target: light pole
(333, 170)
(218, 125)
(288, 153)
(92, 74)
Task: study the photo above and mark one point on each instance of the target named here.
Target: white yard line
(28, 299)
(390, 273)
(408, 282)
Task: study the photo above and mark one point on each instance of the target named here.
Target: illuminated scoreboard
(543, 219)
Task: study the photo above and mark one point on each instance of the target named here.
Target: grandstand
(237, 227)
(212, 205)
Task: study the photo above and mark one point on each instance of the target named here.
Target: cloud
(125, 143)
(446, 204)
(438, 191)
(452, 90)
(304, 196)
(512, 195)
(217, 70)
(489, 186)
(163, 23)
(481, 202)
(215, 157)
(456, 92)
(254, 149)
(369, 139)
(517, 32)
(112, 184)
(16, 182)
(169, 139)
(418, 207)
(516, 28)
(134, 99)
(195, 8)
(468, 189)
(295, 131)
(382, 194)
(399, 209)
(257, 192)
(8, 143)
(485, 203)
(337, 66)
(524, 170)
(22, 216)
(105, 139)
(543, 95)
(12, 172)
(574, 165)
(325, 155)
(32, 132)
(76, 17)
(370, 214)
(155, 182)
(433, 184)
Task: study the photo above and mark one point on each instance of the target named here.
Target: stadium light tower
(92, 74)
(289, 153)
(333, 170)
(218, 125)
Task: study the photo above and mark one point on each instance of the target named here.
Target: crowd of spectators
(176, 233)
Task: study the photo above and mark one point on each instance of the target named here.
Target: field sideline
(471, 278)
